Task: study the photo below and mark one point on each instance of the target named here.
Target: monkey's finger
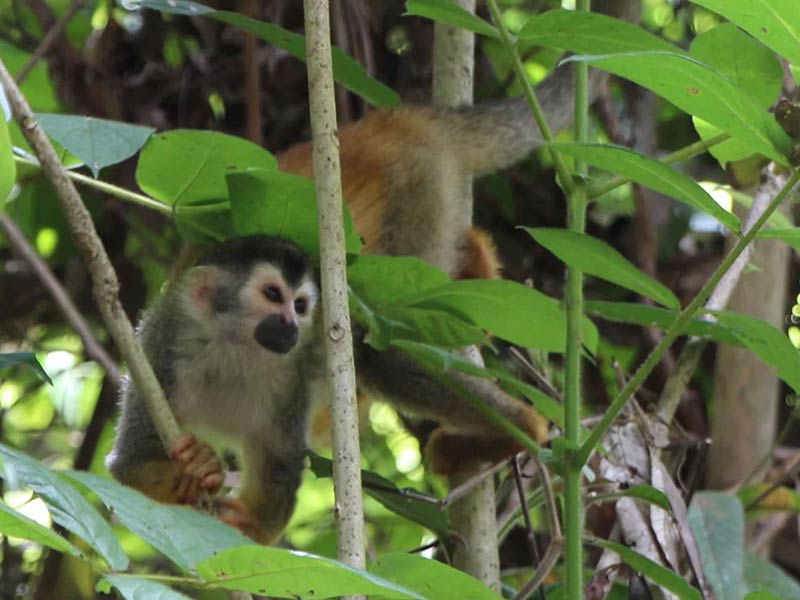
(183, 443)
(182, 489)
(193, 491)
(204, 458)
(212, 483)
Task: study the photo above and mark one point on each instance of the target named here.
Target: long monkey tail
(493, 135)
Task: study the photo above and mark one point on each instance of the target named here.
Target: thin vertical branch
(338, 337)
(105, 284)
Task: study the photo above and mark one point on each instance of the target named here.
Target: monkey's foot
(200, 469)
(235, 513)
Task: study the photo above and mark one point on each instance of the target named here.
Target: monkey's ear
(201, 285)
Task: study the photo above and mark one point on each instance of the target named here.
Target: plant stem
(680, 322)
(685, 153)
(576, 221)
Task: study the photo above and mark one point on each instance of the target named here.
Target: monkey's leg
(269, 486)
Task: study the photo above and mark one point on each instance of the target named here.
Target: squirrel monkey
(236, 345)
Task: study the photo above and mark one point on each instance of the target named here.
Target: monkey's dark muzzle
(276, 334)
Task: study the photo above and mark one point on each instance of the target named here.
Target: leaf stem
(677, 327)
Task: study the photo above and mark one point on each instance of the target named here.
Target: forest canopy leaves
(450, 14)
(97, 142)
(9, 359)
(136, 588)
(650, 173)
(346, 70)
(14, 524)
(292, 574)
(774, 22)
(67, 507)
(597, 258)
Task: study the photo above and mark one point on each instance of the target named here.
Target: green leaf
(8, 169)
(790, 235)
(437, 327)
(717, 522)
(67, 507)
(653, 571)
(9, 359)
(14, 524)
(700, 91)
(346, 70)
(595, 257)
(380, 280)
(276, 203)
(654, 316)
(649, 494)
(183, 534)
(441, 361)
(293, 574)
(760, 498)
(430, 578)
(406, 502)
(97, 142)
(752, 68)
(769, 344)
(444, 11)
(590, 33)
(205, 157)
(774, 22)
(764, 577)
(137, 588)
(509, 310)
(650, 173)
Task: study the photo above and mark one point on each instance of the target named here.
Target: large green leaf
(700, 91)
(290, 574)
(595, 257)
(67, 507)
(407, 503)
(346, 70)
(9, 359)
(653, 571)
(183, 534)
(774, 22)
(188, 167)
(789, 235)
(655, 316)
(650, 173)
(430, 578)
(760, 575)
(8, 169)
(752, 68)
(136, 588)
(771, 345)
(717, 522)
(276, 203)
(590, 33)
(97, 142)
(509, 310)
(450, 14)
(380, 280)
(14, 524)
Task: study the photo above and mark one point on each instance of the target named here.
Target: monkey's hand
(236, 513)
(198, 469)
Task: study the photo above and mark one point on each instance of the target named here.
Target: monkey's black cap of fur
(242, 253)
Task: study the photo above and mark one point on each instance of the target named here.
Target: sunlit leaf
(595, 257)
(292, 574)
(430, 578)
(67, 507)
(650, 173)
(653, 571)
(717, 522)
(8, 359)
(137, 588)
(774, 22)
(346, 70)
(450, 14)
(14, 524)
(183, 534)
(700, 91)
(97, 142)
(590, 33)
(764, 497)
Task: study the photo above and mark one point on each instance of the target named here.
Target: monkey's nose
(277, 334)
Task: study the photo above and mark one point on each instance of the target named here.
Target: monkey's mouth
(275, 336)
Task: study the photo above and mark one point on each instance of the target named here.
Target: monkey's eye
(300, 306)
(273, 294)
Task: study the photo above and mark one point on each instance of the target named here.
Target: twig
(49, 39)
(104, 279)
(338, 336)
(531, 534)
(16, 239)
